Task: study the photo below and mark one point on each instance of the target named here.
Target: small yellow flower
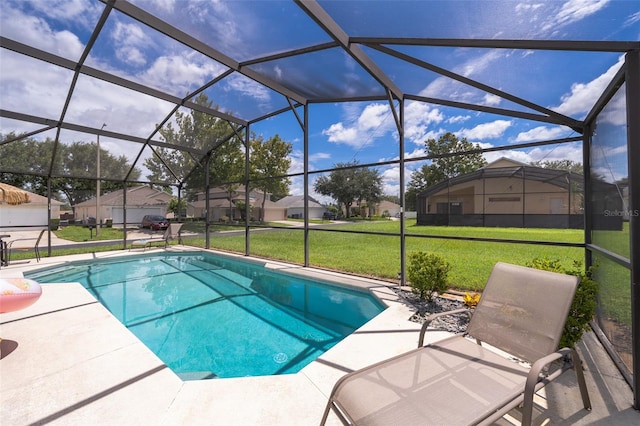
(471, 299)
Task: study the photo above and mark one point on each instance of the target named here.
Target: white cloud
(542, 133)
(520, 156)
(339, 134)
(361, 127)
(418, 117)
(457, 119)
(573, 11)
(297, 161)
(247, 87)
(37, 33)
(571, 151)
(490, 130)
(131, 41)
(491, 100)
(632, 19)
(318, 156)
(372, 122)
(373, 117)
(444, 87)
(527, 7)
(38, 89)
(167, 5)
(584, 95)
(179, 74)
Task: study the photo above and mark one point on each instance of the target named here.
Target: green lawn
(82, 234)
(379, 255)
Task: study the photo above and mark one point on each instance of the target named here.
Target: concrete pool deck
(67, 360)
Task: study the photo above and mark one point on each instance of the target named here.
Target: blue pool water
(209, 316)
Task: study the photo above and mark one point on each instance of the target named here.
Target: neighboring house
(226, 206)
(141, 201)
(294, 207)
(33, 214)
(505, 193)
(387, 208)
(381, 208)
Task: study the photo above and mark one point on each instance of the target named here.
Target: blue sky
(568, 83)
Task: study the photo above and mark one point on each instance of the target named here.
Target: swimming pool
(208, 316)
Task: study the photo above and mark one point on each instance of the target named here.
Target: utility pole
(98, 182)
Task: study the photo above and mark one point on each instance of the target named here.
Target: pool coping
(66, 360)
(87, 366)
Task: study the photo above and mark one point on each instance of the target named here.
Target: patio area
(67, 360)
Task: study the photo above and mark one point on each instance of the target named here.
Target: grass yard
(82, 234)
(379, 255)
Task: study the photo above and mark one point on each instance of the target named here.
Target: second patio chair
(460, 380)
(172, 232)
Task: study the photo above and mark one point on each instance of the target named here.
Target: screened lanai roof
(561, 178)
(71, 70)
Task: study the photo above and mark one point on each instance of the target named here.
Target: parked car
(155, 222)
(330, 216)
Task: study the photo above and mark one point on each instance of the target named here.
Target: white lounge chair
(172, 232)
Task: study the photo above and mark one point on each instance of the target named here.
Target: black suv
(155, 222)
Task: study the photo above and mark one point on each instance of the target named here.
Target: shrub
(584, 304)
(427, 273)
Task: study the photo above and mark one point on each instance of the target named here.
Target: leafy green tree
(80, 160)
(175, 207)
(370, 183)
(205, 133)
(443, 166)
(348, 184)
(269, 159)
(75, 163)
(569, 165)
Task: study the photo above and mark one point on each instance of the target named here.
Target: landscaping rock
(456, 323)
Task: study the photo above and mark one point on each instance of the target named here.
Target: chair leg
(582, 384)
(326, 414)
(336, 411)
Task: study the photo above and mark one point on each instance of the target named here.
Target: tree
(370, 183)
(31, 160)
(205, 133)
(348, 184)
(443, 166)
(269, 159)
(568, 165)
(175, 207)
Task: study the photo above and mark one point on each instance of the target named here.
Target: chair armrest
(533, 378)
(432, 317)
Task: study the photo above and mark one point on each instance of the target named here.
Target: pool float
(18, 293)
